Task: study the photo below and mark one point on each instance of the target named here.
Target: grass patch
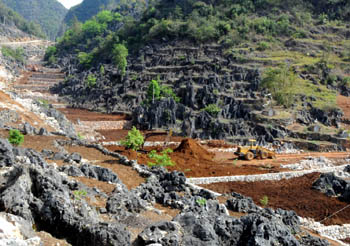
(325, 98)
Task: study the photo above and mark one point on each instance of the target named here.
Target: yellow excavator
(253, 151)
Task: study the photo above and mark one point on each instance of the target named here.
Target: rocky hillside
(220, 70)
(15, 26)
(47, 13)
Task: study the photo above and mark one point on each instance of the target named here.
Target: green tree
(133, 140)
(120, 53)
(92, 28)
(105, 16)
(16, 137)
(153, 91)
(281, 82)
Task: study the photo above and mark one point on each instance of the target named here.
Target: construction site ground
(191, 157)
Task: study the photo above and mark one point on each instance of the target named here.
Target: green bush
(166, 91)
(102, 70)
(201, 202)
(79, 194)
(162, 159)
(134, 140)
(120, 53)
(156, 92)
(50, 54)
(263, 46)
(91, 80)
(17, 54)
(281, 82)
(16, 137)
(153, 91)
(212, 109)
(264, 201)
(85, 59)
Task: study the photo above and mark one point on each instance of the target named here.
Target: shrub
(162, 159)
(85, 59)
(166, 91)
(16, 137)
(17, 54)
(133, 140)
(120, 53)
(264, 201)
(201, 202)
(153, 91)
(102, 70)
(281, 82)
(79, 194)
(50, 54)
(91, 80)
(212, 109)
(263, 46)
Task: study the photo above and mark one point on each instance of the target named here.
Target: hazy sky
(69, 3)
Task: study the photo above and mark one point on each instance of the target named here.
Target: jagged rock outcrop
(332, 185)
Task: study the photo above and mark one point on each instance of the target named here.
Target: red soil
(195, 161)
(73, 114)
(117, 135)
(291, 194)
(344, 103)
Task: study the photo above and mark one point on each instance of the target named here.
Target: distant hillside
(9, 18)
(89, 8)
(47, 13)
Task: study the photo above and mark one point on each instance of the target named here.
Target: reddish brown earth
(48, 240)
(126, 174)
(344, 103)
(117, 135)
(291, 194)
(73, 114)
(195, 161)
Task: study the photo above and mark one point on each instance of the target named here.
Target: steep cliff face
(47, 13)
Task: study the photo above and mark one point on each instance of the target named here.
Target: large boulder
(332, 185)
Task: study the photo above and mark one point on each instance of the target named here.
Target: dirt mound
(192, 148)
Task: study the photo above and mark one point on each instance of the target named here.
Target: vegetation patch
(17, 54)
(162, 159)
(134, 140)
(16, 137)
